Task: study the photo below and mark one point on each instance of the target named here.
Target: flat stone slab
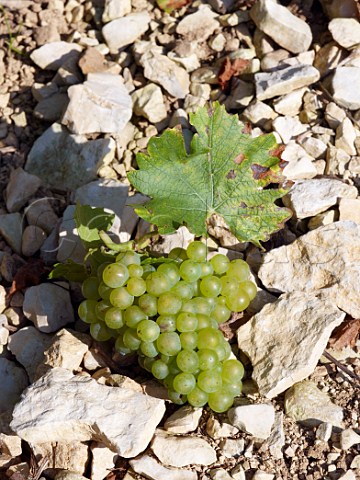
(52, 55)
(150, 468)
(346, 87)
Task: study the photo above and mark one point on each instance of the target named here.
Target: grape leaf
(89, 221)
(71, 271)
(224, 174)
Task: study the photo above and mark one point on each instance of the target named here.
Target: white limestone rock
(346, 87)
(48, 306)
(72, 457)
(349, 209)
(334, 115)
(114, 416)
(198, 26)
(345, 31)
(69, 245)
(288, 127)
(125, 30)
(314, 147)
(150, 468)
(216, 430)
(13, 380)
(232, 447)
(299, 322)
(300, 165)
(307, 198)
(103, 460)
(287, 30)
(21, 187)
(289, 104)
(67, 349)
(149, 103)
(52, 55)
(115, 9)
(101, 104)
(186, 419)
(348, 438)
(257, 420)
(10, 445)
(346, 136)
(259, 114)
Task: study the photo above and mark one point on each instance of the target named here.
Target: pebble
(67, 475)
(103, 460)
(348, 438)
(10, 445)
(349, 209)
(149, 103)
(306, 404)
(115, 416)
(355, 462)
(346, 87)
(349, 475)
(259, 114)
(216, 430)
(198, 26)
(288, 127)
(40, 213)
(2, 299)
(50, 109)
(315, 147)
(345, 136)
(125, 30)
(261, 475)
(13, 381)
(306, 321)
(115, 9)
(286, 80)
(334, 115)
(69, 245)
(48, 306)
(220, 474)
(101, 104)
(300, 164)
(186, 419)
(32, 239)
(11, 230)
(148, 466)
(345, 31)
(232, 447)
(324, 431)
(52, 55)
(257, 420)
(289, 104)
(21, 187)
(286, 29)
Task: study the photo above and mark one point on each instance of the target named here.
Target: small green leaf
(89, 221)
(116, 247)
(71, 271)
(225, 174)
(156, 260)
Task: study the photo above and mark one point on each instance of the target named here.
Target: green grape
(209, 381)
(133, 315)
(190, 271)
(104, 291)
(189, 307)
(187, 361)
(121, 298)
(168, 381)
(171, 271)
(115, 275)
(206, 269)
(148, 330)
(178, 253)
(100, 270)
(232, 370)
(90, 288)
(87, 311)
(101, 308)
(173, 367)
(221, 300)
(100, 332)
(196, 251)
(204, 321)
(202, 305)
(183, 290)
(159, 369)
(233, 388)
(168, 343)
(229, 285)
(136, 286)
(148, 303)
(238, 302)
(114, 317)
(135, 270)
(188, 340)
(208, 338)
(186, 322)
(210, 286)
(184, 382)
(220, 263)
(196, 288)
(131, 340)
(128, 258)
(248, 287)
(166, 359)
(120, 346)
(176, 397)
(220, 401)
(221, 352)
(169, 304)
(208, 359)
(167, 323)
(157, 283)
(148, 363)
(148, 349)
(197, 397)
(239, 269)
(227, 350)
(221, 313)
(147, 269)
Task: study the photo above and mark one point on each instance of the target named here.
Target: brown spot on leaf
(259, 172)
(239, 158)
(229, 69)
(170, 5)
(277, 151)
(247, 128)
(243, 205)
(283, 163)
(231, 175)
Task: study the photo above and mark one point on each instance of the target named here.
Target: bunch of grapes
(170, 315)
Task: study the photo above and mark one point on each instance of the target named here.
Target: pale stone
(218, 42)
(70, 245)
(115, 9)
(40, 214)
(336, 160)
(101, 104)
(11, 226)
(322, 219)
(271, 60)
(68, 456)
(345, 31)
(306, 320)
(334, 115)
(103, 460)
(32, 239)
(289, 104)
(123, 31)
(67, 161)
(355, 462)
(238, 473)
(216, 430)
(48, 306)
(149, 467)
(93, 361)
(2, 299)
(315, 147)
(181, 238)
(10, 445)
(13, 380)
(257, 420)
(114, 416)
(219, 474)
(328, 58)
(345, 136)
(288, 127)
(67, 349)
(190, 62)
(261, 475)
(349, 209)
(300, 165)
(276, 440)
(21, 187)
(67, 475)
(52, 55)
(149, 103)
(232, 447)
(186, 419)
(348, 438)
(180, 451)
(308, 197)
(349, 475)
(258, 113)
(287, 30)
(324, 431)
(198, 26)
(241, 94)
(305, 403)
(286, 80)
(332, 257)
(346, 87)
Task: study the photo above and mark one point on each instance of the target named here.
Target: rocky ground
(83, 86)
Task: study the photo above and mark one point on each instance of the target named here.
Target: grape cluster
(170, 315)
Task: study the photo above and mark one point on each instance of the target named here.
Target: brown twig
(342, 367)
